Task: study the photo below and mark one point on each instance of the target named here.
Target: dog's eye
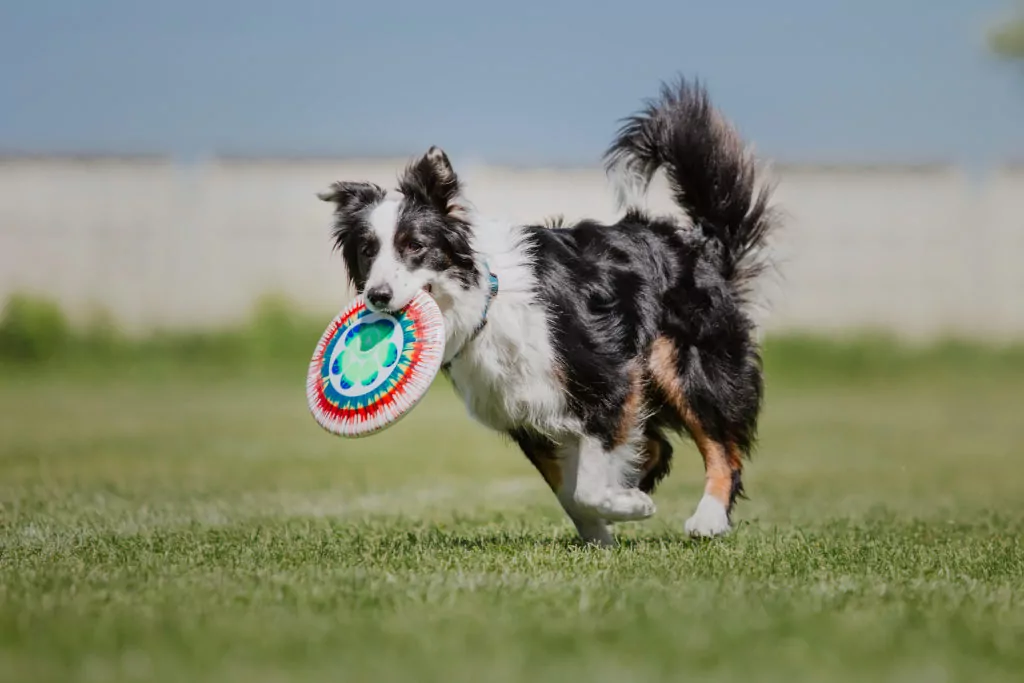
(367, 249)
(414, 247)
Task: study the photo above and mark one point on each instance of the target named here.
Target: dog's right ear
(432, 179)
(348, 196)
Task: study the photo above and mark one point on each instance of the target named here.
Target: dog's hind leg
(656, 461)
(723, 469)
(723, 464)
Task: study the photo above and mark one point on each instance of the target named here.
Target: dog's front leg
(549, 459)
(593, 483)
(588, 482)
(592, 531)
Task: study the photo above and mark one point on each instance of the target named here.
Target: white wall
(918, 251)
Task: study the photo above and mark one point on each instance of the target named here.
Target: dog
(589, 344)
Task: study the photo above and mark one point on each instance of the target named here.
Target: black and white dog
(588, 343)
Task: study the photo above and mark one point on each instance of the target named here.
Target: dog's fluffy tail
(712, 175)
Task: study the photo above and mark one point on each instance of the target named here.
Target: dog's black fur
(611, 290)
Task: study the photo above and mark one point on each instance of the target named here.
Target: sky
(870, 81)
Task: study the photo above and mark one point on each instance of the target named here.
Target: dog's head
(419, 237)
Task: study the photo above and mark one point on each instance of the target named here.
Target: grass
(161, 521)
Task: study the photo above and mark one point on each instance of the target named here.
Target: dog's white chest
(507, 378)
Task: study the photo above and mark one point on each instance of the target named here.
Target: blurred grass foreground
(170, 511)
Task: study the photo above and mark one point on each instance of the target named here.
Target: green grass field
(172, 523)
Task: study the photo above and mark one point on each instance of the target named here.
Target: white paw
(710, 518)
(618, 505)
(628, 504)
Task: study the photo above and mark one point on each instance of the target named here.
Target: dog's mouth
(428, 289)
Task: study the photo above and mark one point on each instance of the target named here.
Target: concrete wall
(918, 251)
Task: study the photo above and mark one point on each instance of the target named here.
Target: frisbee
(371, 368)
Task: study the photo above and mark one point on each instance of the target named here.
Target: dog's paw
(618, 505)
(710, 519)
(629, 504)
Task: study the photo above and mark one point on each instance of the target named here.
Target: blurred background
(158, 161)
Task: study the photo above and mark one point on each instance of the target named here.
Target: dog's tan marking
(551, 470)
(652, 456)
(735, 456)
(663, 369)
(719, 460)
(717, 467)
(547, 463)
(631, 407)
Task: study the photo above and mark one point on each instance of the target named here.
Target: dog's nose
(379, 297)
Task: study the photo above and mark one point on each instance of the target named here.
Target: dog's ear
(349, 196)
(432, 179)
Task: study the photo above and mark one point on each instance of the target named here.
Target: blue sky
(515, 82)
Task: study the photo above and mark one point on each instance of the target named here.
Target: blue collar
(492, 292)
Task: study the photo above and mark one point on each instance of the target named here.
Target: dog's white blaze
(387, 268)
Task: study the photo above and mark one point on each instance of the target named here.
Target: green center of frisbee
(370, 336)
(368, 351)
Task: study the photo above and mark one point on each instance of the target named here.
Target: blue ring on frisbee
(371, 368)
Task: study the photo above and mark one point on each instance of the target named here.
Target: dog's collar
(492, 291)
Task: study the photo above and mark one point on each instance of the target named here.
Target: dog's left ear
(432, 179)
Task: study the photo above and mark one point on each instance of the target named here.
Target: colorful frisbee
(370, 369)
